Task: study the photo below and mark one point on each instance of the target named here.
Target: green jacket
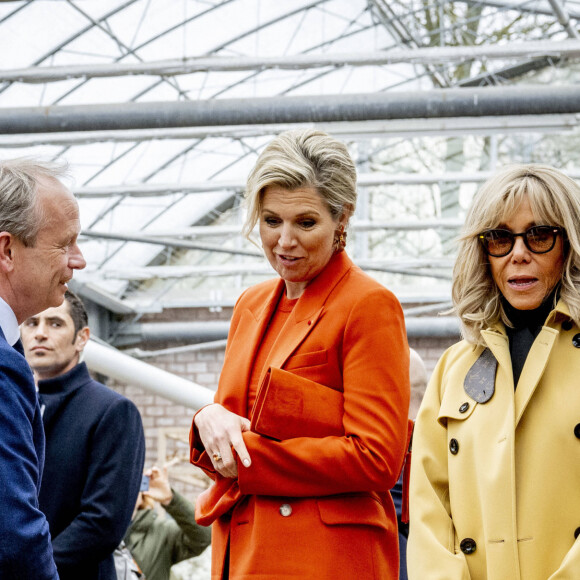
(158, 543)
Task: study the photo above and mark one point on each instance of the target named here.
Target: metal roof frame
(569, 49)
(385, 114)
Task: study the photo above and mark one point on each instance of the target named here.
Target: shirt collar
(8, 323)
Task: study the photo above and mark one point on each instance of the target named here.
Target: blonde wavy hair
(554, 200)
(299, 158)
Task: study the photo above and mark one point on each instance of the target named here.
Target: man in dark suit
(39, 225)
(95, 447)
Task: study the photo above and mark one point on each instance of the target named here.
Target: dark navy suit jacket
(25, 549)
(397, 495)
(95, 449)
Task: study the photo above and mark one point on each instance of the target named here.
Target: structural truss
(162, 106)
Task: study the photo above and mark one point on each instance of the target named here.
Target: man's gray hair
(20, 214)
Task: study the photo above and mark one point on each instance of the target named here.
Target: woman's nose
(520, 251)
(287, 238)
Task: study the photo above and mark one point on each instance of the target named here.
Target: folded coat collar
(316, 292)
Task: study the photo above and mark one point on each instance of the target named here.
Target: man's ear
(6, 252)
(82, 338)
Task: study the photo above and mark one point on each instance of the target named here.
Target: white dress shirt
(8, 323)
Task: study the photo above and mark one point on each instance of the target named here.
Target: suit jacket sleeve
(430, 549)
(25, 550)
(375, 376)
(115, 470)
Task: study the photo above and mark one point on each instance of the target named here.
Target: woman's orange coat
(316, 507)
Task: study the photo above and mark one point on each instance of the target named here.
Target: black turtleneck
(526, 327)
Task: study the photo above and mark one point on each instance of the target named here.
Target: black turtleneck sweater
(526, 327)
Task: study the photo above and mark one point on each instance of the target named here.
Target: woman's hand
(220, 431)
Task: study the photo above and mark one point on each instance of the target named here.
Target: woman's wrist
(199, 412)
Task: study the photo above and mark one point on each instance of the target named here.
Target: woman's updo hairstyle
(303, 158)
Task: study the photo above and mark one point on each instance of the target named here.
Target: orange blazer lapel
(243, 346)
(308, 310)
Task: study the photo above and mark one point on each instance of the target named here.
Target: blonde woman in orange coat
(308, 430)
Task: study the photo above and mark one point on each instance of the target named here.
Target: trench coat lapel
(533, 370)
(536, 361)
(498, 343)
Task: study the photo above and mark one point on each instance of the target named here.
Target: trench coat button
(464, 407)
(576, 533)
(454, 446)
(567, 325)
(576, 340)
(285, 510)
(468, 546)
(577, 431)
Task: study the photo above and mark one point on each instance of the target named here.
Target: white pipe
(113, 363)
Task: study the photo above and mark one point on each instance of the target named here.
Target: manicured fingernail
(246, 462)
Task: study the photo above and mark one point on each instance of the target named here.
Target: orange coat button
(285, 510)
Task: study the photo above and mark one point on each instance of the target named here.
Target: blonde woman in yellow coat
(495, 477)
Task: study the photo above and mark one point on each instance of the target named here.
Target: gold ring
(217, 457)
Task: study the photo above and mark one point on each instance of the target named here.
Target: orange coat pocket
(307, 359)
(352, 509)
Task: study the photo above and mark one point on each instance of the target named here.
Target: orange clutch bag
(289, 406)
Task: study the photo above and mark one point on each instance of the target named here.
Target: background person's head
(516, 198)
(55, 338)
(39, 226)
(302, 191)
(418, 379)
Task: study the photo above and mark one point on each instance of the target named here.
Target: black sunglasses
(538, 239)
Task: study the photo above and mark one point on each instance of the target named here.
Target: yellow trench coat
(495, 487)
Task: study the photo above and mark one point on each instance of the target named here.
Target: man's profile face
(51, 345)
(41, 272)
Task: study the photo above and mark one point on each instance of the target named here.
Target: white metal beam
(432, 55)
(441, 103)
(172, 242)
(248, 268)
(359, 129)
(235, 230)
(564, 18)
(364, 180)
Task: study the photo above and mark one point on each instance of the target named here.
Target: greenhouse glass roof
(161, 107)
